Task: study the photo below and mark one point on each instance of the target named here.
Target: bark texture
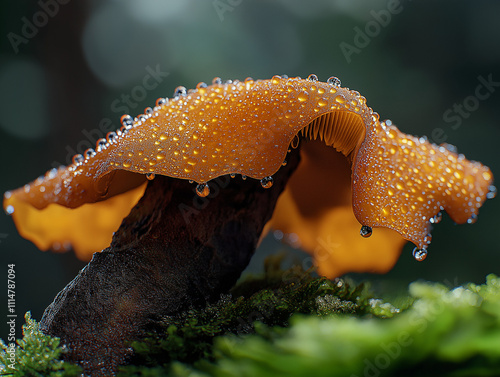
(174, 251)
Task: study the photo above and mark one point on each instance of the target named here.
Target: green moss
(36, 355)
(292, 323)
(271, 299)
(444, 333)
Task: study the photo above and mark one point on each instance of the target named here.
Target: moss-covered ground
(291, 323)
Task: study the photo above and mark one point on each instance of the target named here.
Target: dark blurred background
(70, 69)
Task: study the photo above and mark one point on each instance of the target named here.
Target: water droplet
(78, 159)
(180, 91)
(127, 121)
(492, 192)
(284, 163)
(248, 79)
(436, 219)
(312, 78)
(232, 175)
(303, 96)
(217, 81)
(284, 76)
(266, 182)
(100, 144)
(8, 194)
(89, 153)
(150, 176)
(243, 177)
(366, 231)
(202, 190)
(472, 219)
(9, 210)
(450, 147)
(148, 110)
(419, 254)
(428, 239)
(161, 101)
(275, 79)
(335, 81)
(111, 137)
(51, 174)
(278, 234)
(201, 85)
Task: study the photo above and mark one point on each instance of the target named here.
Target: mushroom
(183, 243)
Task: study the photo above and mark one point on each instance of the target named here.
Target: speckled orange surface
(398, 182)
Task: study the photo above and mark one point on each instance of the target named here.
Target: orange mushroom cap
(398, 182)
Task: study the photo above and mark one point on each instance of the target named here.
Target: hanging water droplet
(148, 110)
(266, 182)
(180, 91)
(78, 159)
(492, 192)
(472, 219)
(419, 254)
(312, 77)
(111, 137)
(161, 101)
(232, 175)
(366, 231)
(100, 144)
(150, 176)
(202, 190)
(190, 181)
(217, 80)
(335, 81)
(243, 177)
(127, 121)
(436, 219)
(284, 163)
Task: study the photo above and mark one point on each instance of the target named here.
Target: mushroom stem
(174, 251)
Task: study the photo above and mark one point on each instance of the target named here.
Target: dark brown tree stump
(174, 251)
